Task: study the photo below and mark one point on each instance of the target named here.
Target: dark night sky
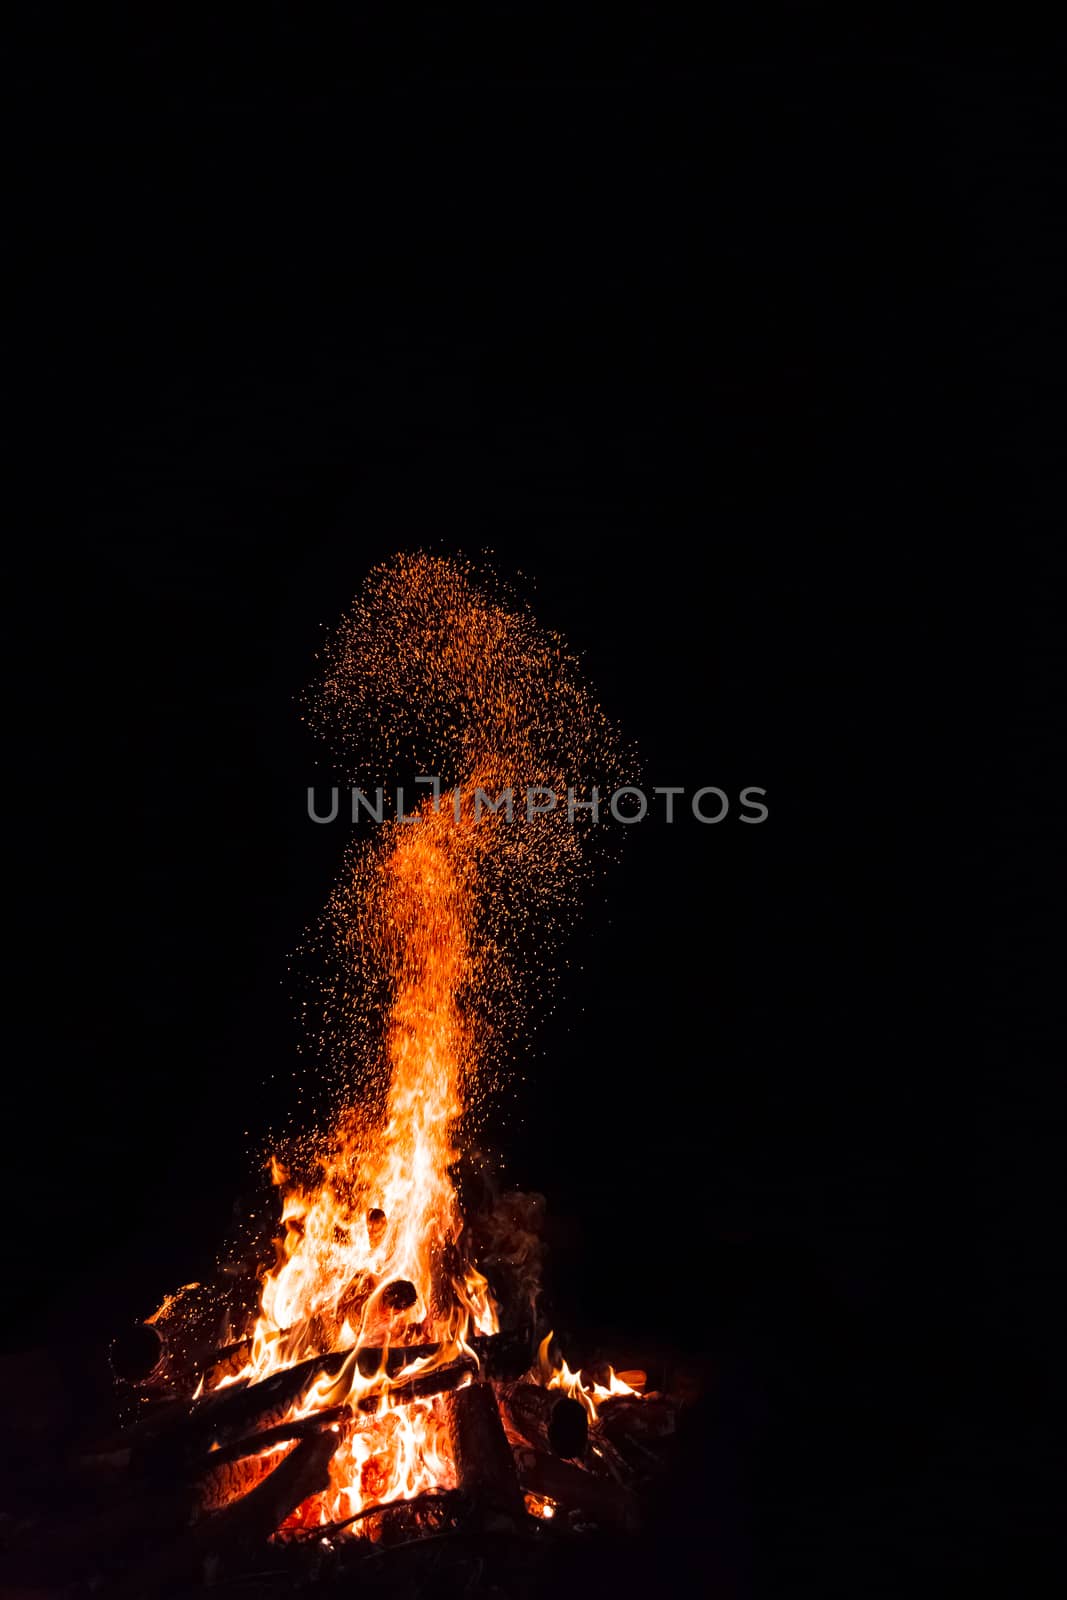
(744, 358)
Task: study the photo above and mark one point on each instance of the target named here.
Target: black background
(741, 350)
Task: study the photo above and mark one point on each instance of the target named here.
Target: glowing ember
(421, 936)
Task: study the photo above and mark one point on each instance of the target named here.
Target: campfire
(384, 1378)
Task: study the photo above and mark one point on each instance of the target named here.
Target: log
(627, 1415)
(399, 1295)
(601, 1499)
(298, 1428)
(351, 1304)
(247, 1406)
(436, 1502)
(372, 1359)
(510, 1353)
(547, 1419)
(439, 1380)
(568, 1428)
(229, 1534)
(186, 1431)
(170, 1444)
(228, 1481)
(485, 1467)
(636, 1430)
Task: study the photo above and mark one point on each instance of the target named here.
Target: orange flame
(386, 1214)
(590, 1395)
(372, 1253)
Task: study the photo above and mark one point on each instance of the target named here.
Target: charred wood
(568, 1428)
(485, 1467)
(439, 1380)
(638, 1418)
(547, 1419)
(284, 1433)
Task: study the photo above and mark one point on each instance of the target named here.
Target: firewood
(568, 1427)
(351, 1304)
(547, 1419)
(432, 1506)
(636, 1430)
(298, 1428)
(399, 1295)
(375, 1358)
(640, 1418)
(485, 1467)
(509, 1355)
(601, 1499)
(184, 1429)
(384, 1316)
(439, 1380)
(227, 1481)
(184, 1432)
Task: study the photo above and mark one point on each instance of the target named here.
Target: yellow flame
(590, 1395)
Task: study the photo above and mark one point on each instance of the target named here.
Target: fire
(372, 1253)
(590, 1395)
(369, 1258)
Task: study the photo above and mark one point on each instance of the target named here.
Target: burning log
(547, 1419)
(485, 1467)
(372, 1359)
(398, 1295)
(350, 1307)
(383, 1316)
(241, 1422)
(246, 1408)
(284, 1433)
(227, 1481)
(439, 1380)
(507, 1356)
(425, 1513)
(376, 1226)
(568, 1428)
(601, 1499)
(185, 1431)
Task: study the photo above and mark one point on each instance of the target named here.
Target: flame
(371, 1252)
(386, 1216)
(590, 1395)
